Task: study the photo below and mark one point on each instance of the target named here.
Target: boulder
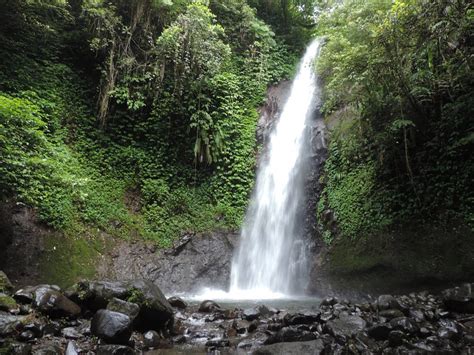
(460, 299)
(155, 310)
(55, 304)
(95, 295)
(177, 302)
(7, 303)
(10, 324)
(345, 326)
(5, 284)
(113, 327)
(395, 338)
(218, 343)
(209, 306)
(301, 318)
(121, 306)
(293, 348)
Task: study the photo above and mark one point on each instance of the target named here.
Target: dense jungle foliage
(399, 97)
(138, 117)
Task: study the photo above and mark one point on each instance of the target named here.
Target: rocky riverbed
(132, 317)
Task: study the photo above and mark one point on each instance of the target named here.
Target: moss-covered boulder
(7, 303)
(5, 284)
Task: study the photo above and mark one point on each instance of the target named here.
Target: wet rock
(301, 318)
(179, 339)
(10, 324)
(51, 328)
(26, 335)
(253, 326)
(256, 340)
(293, 348)
(151, 339)
(114, 350)
(70, 333)
(25, 295)
(36, 328)
(388, 301)
(155, 310)
(404, 324)
(128, 308)
(240, 326)
(460, 299)
(55, 304)
(177, 302)
(5, 284)
(209, 306)
(251, 314)
(113, 327)
(8, 304)
(290, 334)
(391, 313)
(379, 331)
(395, 338)
(326, 316)
(218, 343)
(95, 295)
(71, 349)
(345, 326)
(329, 301)
(417, 315)
(48, 349)
(449, 329)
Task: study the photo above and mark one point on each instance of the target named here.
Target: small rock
(395, 338)
(151, 339)
(179, 339)
(70, 333)
(329, 301)
(218, 343)
(114, 350)
(449, 330)
(48, 349)
(51, 328)
(301, 318)
(387, 302)
(26, 335)
(391, 313)
(209, 306)
(251, 313)
(177, 302)
(404, 324)
(71, 349)
(460, 299)
(240, 326)
(111, 326)
(379, 331)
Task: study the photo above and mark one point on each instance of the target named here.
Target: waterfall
(272, 260)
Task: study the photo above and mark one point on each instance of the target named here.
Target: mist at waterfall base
(272, 260)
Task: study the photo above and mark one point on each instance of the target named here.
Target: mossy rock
(7, 303)
(5, 284)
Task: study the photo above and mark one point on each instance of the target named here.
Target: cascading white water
(271, 258)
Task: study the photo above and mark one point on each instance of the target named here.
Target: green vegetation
(133, 118)
(398, 92)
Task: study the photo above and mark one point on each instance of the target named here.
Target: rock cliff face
(196, 261)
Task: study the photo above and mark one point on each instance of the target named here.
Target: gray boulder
(113, 327)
